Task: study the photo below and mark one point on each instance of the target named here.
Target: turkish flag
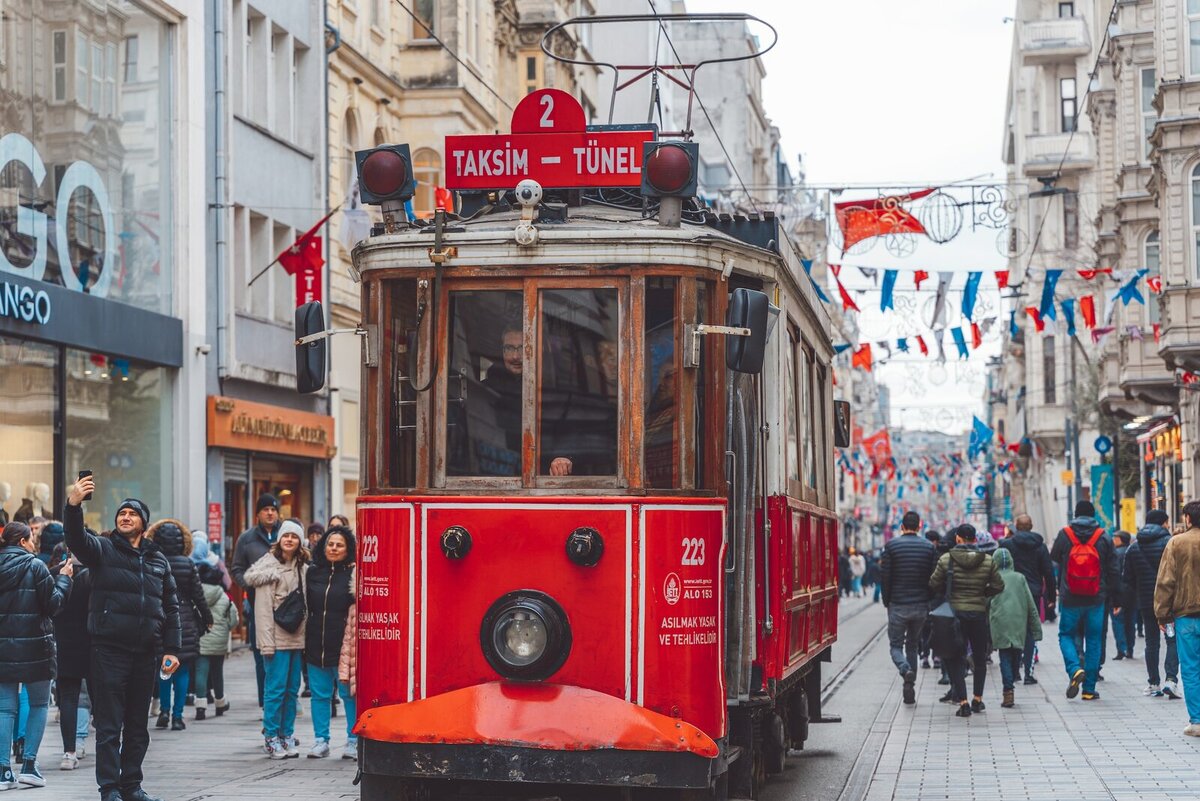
(863, 219)
(1090, 274)
(304, 253)
(878, 446)
(1038, 323)
(919, 276)
(1087, 307)
(1155, 283)
(1001, 278)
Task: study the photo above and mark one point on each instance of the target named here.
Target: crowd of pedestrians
(131, 625)
(963, 597)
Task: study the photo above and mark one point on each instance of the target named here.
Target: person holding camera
(132, 613)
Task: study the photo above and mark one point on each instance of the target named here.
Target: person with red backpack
(1088, 578)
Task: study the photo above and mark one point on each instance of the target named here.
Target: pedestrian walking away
(279, 611)
(975, 579)
(29, 597)
(251, 545)
(330, 593)
(175, 542)
(1177, 606)
(1031, 558)
(214, 644)
(1013, 620)
(1122, 616)
(1138, 578)
(907, 563)
(1088, 581)
(858, 569)
(133, 615)
(74, 645)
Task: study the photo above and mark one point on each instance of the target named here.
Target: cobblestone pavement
(219, 759)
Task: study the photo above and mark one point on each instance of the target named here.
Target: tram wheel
(775, 744)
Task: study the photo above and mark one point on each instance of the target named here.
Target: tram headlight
(525, 635)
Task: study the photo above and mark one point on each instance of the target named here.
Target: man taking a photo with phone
(132, 614)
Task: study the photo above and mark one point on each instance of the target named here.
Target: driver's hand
(561, 466)
(81, 488)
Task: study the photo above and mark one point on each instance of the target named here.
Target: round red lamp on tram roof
(384, 172)
(669, 169)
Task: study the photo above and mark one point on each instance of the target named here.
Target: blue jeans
(1010, 666)
(321, 681)
(1187, 644)
(1089, 621)
(10, 707)
(178, 682)
(280, 691)
(1124, 646)
(856, 585)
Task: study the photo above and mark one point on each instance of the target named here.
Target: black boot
(164, 720)
(177, 724)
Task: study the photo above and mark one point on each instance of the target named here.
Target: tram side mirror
(310, 348)
(841, 423)
(748, 308)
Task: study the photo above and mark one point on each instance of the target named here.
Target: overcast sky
(880, 92)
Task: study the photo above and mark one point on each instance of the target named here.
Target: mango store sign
(24, 303)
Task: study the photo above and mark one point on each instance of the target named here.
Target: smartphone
(85, 474)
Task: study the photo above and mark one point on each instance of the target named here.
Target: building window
(1150, 261)
(427, 169)
(424, 25)
(1149, 115)
(81, 70)
(1070, 221)
(1066, 10)
(1193, 21)
(349, 145)
(110, 80)
(1049, 371)
(530, 71)
(1069, 103)
(98, 78)
(131, 59)
(60, 65)
(1196, 220)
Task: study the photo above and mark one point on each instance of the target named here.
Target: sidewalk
(219, 759)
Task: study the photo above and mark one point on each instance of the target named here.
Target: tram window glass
(699, 434)
(789, 399)
(402, 414)
(804, 378)
(486, 361)
(577, 409)
(661, 441)
(821, 427)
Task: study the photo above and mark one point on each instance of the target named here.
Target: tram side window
(661, 442)
(483, 386)
(807, 395)
(402, 319)
(577, 408)
(789, 398)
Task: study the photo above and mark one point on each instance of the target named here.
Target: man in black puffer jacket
(133, 613)
(1139, 575)
(1031, 558)
(175, 541)
(908, 562)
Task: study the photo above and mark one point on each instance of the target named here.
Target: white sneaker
(320, 749)
(1171, 690)
(30, 776)
(1151, 690)
(69, 761)
(1192, 730)
(290, 749)
(81, 749)
(351, 750)
(154, 707)
(276, 749)
(8, 780)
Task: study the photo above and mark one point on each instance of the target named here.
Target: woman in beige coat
(279, 573)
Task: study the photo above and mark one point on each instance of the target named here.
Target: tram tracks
(836, 681)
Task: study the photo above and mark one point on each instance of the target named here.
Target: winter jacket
(975, 578)
(205, 559)
(1177, 593)
(348, 658)
(29, 597)
(1140, 571)
(175, 541)
(1110, 582)
(251, 545)
(277, 581)
(907, 564)
(858, 565)
(1013, 613)
(225, 619)
(133, 606)
(330, 595)
(71, 627)
(1031, 558)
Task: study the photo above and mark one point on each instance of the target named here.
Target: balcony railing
(1045, 152)
(1047, 422)
(1046, 41)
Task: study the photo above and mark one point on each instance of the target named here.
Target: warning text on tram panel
(551, 144)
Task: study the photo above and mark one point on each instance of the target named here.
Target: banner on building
(1103, 495)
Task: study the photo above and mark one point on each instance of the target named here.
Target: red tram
(597, 544)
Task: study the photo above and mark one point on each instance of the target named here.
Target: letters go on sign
(551, 144)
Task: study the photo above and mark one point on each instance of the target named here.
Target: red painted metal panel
(385, 585)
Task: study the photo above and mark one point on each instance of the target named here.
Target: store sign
(214, 522)
(243, 425)
(23, 302)
(550, 143)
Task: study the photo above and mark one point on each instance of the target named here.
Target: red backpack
(1083, 564)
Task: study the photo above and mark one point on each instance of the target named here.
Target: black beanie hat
(1085, 509)
(142, 510)
(1156, 517)
(265, 500)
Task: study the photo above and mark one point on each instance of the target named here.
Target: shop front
(90, 344)
(1163, 467)
(264, 448)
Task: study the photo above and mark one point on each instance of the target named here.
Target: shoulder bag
(946, 637)
(289, 615)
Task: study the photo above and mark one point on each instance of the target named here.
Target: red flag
(878, 446)
(921, 344)
(1098, 333)
(836, 269)
(862, 357)
(1157, 333)
(308, 282)
(847, 301)
(1038, 323)
(863, 219)
(1087, 307)
(919, 276)
(303, 255)
(976, 336)
(1001, 278)
(1155, 283)
(1090, 274)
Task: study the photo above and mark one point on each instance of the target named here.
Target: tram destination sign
(550, 143)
